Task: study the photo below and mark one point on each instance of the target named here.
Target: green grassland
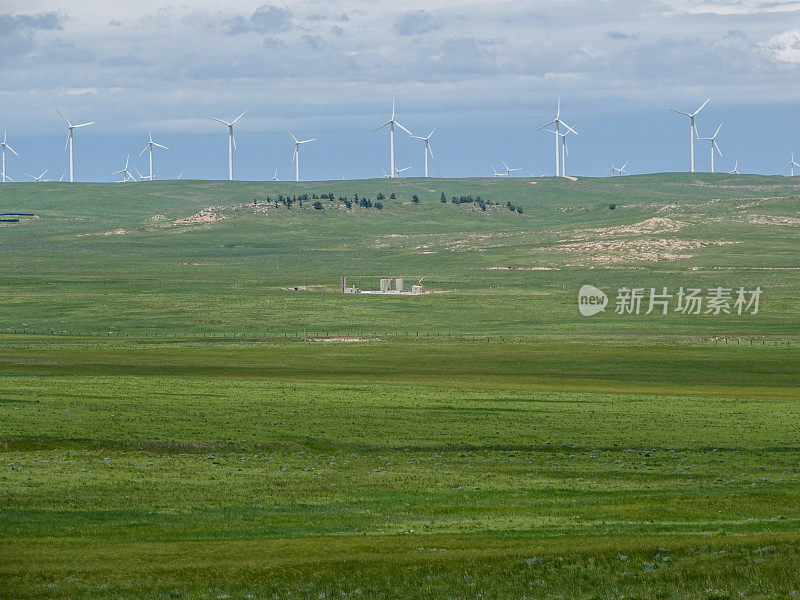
(118, 261)
(483, 441)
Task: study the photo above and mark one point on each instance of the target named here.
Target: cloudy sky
(486, 73)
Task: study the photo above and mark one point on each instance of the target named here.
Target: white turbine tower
(735, 168)
(509, 169)
(70, 127)
(149, 147)
(391, 123)
(126, 174)
(614, 170)
(3, 146)
(38, 179)
(692, 131)
(558, 123)
(714, 146)
(428, 150)
(791, 165)
(231, 141)
(565, 150)
(296, 154)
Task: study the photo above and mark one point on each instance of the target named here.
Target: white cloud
(288, 58)
(784, 47)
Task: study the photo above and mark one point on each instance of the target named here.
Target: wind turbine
(296, 154)
(428, 150)
(231, 141)
(149, 147)
(496, 174)
(126, 175)
(3, 146)
(614, 170)
(275, 177)
(385, 174)
(713, 140)
(791, 165)
(391, 123)
(735, 168)
(557, 122)
(692, 131)
(509, 169)
(398, 171)
(38, 179)
(70, 126)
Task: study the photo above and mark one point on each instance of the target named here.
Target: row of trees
(482, 203)
(365, 202)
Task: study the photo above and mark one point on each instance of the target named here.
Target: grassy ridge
(100, 257)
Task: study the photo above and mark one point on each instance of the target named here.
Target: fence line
(386, 336)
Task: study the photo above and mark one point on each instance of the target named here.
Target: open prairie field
(178, 421)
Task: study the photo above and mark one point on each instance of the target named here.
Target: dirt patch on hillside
(619, 251)
(651, 226)
(773, 220)
(205, 216)
(519, 268)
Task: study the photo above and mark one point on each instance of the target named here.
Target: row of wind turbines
(559, 128)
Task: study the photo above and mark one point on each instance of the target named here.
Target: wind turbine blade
(716, 133)
(82, 125)
(306, 141)
(702, 106)
(505, 165)
(569, 128)
(429, 149)
(403, 128)
(12, 150)
(547, 125)
(233, 139)
(714, 142)
(381, 126)
(432, 132)
(145, 150)
(240, 116)
(63, 117)
(160, 146)
(220, 121)
(66, 144)
(291, 134)
(680, 112)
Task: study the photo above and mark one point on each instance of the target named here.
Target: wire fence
(378, 336)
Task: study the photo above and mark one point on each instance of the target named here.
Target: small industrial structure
(388, 285)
